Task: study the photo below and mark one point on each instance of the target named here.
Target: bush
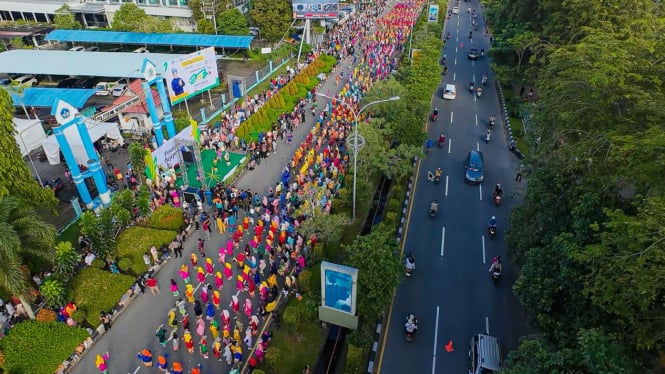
(124, 264)
(53, 291)
(355, 360)
(94, 290)
(395, 205)
(273, 358)
(46, 315)
(78, 316)
(166, 217)
(136, 241)
(305, 281)
(55, 343)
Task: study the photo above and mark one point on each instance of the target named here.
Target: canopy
(45, 97)
(29, 134)
(96, 131)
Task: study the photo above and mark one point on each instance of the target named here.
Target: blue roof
(182, 39)
(45, 97)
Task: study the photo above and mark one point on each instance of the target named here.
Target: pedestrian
(203, 347)
(200, 326)
(155, 254)
(189, 343)
(248, 337)
(189, 293)
(140, 281)
(152, 285)
(174, 288)
(146, 357)
(106, 320)
(228, 356)
(305, 370)
(198, 311)
(173, 320)
(201, 247)
(184, 273)
(161, 335)
(146, 260)
(175, 342)
(101, 363)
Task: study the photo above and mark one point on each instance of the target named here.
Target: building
(135, 118)
(99, 13)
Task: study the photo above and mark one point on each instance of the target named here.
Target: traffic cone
(449, 346)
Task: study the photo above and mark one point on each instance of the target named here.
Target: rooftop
(140, 38)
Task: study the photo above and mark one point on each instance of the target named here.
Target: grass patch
(95, 290)
(134, 242)
(70, 234)
(295, 350)
(512, 105)
(39, 347)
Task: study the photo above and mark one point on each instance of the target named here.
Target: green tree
(66, 261)
(65, 19)
(23, 235)
(379, 270)
(273, 17)
(143, 201)
(137, 154)
(129, 17)
(232, 22)
(54, 292)
(204, 26)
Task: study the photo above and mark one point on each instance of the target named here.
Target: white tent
(96, 131)
(29, 134)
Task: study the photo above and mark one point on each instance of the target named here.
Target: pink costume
(247, 308)
(229, 248)
(226, 318)
(209, 266)
(200, 326)
(222, 256)
(239, 283)
(184, 273)
(219, 280)
(228, 270)
(200, 275)
(204, 295)
(235, 304)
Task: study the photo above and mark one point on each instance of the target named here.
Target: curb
(375, 348)
(506, 119)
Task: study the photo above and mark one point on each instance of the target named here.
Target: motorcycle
(435, 115)
(471, 88)
(448, 36)
(56, 185)
(497, 199)
(491, 230)
(484, 80)
(410, 265)
(442, 140)
(437, 179)
(410, 327)
(496, 272)
(479, 91)
(488, 137)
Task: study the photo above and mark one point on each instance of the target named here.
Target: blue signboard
(339, 287)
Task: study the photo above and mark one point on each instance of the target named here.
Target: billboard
(433, 14)
(189, 75)
(339, 289)
(315, 9)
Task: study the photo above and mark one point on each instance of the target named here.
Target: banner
(166, 156)
(192, 74)
(433, 14)
(315, 9)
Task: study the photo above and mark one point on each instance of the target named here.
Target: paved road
(451, 290)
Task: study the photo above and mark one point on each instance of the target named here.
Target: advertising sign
(433, 14)
(189, 75)
(339, 289)
(315, 9)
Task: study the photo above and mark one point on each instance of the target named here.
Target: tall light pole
(356, 142)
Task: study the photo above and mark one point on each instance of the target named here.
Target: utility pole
(208, 9)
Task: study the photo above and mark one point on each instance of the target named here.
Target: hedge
(136, 241)
(39, 347)
(355, 360)
(166, 217)
(94, 290)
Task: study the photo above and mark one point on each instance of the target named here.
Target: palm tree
(23, 234)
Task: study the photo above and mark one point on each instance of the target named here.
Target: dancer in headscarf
(247, 308)
(174, 288)
(189, 343)
(162, 364)
(146, 357)
(101, 363)
(216, 300)
(200, 274)
(189, 293)
(184, 273)
(219, 280)
(209, 266)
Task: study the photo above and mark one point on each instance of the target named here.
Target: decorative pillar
(166, 106)
(156, 123)
(100, 180)
(79, 179)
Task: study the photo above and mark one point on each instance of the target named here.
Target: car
(484, 354)
(67, 82)
(84, 83)
(113, 50)
(450, 92)
(118, 90)
(25, 80)
(92, 49)
(141, 50)
(5, 82)
(77, 49)
(474, 165)
(455, 9)
(473, 54)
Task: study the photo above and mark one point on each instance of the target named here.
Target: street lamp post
(356, 141)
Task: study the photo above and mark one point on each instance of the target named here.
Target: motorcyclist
(434, 207)
(470, 34)
(479, 90)
(448, 35)
(437, 173)
(492, 121)
(488, 136)
(411, 324)
(435, 113)
(482, 51)
(471, 87)
(442, 139)
(492, 222)
(497, 190)
(496, 265)
(410, 263)
(484, 78)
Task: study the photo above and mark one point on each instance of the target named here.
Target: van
(119, 89)
(484, 354)
(25, 81)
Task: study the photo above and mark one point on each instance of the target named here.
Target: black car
(473, 54)
(67, 83)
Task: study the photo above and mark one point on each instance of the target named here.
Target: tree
(66, 261)
(232, 22)
(379, 270)
(204, 26)
(137, 155)
(22, 235)
(273, 17)
(65, 19)
(129, 17)
(15, 177)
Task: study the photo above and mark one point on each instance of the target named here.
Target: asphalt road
(451, 291)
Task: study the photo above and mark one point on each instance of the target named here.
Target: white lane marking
(475, 97)
(481, 191)
(482, 237)
(443, 240)
(436, 333)
(454, 76)
(455, 60)
(137, 369)
(446, 186)
(451, 118)
(478, 146)
(450, 142)
(487, 325)
(196, 289)
(473, 77)
(455, 49)
(476, 120)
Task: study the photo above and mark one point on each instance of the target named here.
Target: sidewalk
(134, 330)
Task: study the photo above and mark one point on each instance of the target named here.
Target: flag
(196, 134)
(150, 168)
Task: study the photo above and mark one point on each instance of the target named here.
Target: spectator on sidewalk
(152, 285)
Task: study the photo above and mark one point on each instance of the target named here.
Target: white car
(455, 9)
(141, 50)
(450, 92)
(25, 81)
(77, 49)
